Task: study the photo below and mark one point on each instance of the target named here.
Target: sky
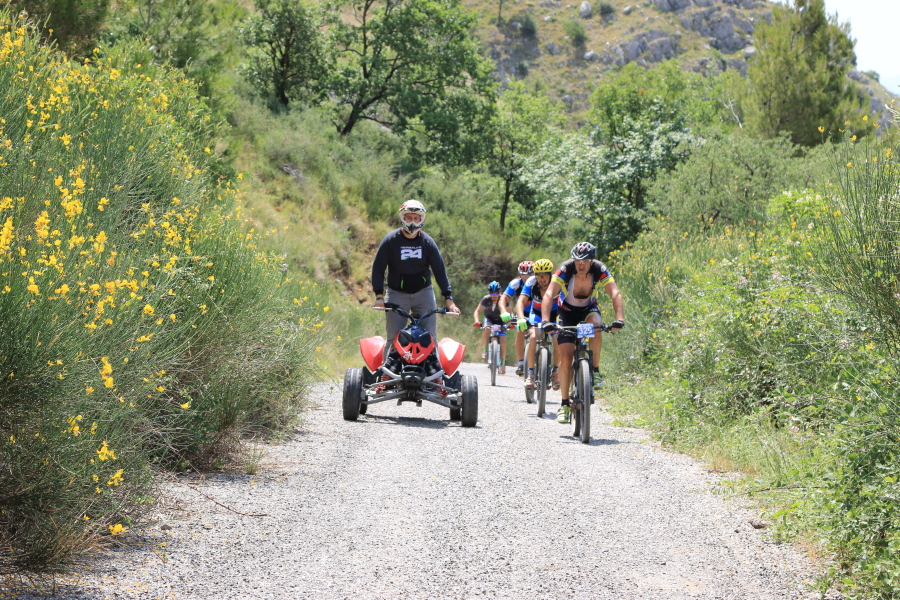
(875, 25)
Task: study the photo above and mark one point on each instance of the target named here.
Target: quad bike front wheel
(352, 393)
(469, 414)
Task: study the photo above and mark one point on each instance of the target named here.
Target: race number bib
(585, 330)
(496, 329)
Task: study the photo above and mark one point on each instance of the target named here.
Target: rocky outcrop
(727, 29)
(650, 47)
(585, 10)
(678, 5)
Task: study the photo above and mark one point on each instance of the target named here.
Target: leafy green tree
(524, 121)
(73, 24)
(598, 182)
(798, 76)
(596, 191)
(729, 178)
(411, 65)
(285, 48)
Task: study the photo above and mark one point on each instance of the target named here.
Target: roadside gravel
(406, 504)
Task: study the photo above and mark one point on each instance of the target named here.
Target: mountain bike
(543, 361)
(494, 358)
(584, 383)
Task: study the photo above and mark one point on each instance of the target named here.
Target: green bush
(529, 25)
(575, 30)
(142, 326)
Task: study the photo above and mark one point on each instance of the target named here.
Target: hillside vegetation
(754, 244)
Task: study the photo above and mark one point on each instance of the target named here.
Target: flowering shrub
(142, 325)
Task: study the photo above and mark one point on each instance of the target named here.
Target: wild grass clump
(142, 326)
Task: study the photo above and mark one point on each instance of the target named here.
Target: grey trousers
(417, 303)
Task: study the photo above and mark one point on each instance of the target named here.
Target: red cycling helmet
(526, 267)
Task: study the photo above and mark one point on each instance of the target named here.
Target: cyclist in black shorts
(579, 280)
(490, 304)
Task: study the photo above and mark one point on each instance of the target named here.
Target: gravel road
(406, 504)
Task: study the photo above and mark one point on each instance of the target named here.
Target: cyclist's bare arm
(504, 300)
(520, 307)
(618, 304)
(477, 310)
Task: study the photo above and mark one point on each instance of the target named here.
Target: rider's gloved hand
(619, 324)
(476, 324)
(548, 326)
(522, 325)
(505, 316)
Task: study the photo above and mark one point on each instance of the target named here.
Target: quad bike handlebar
(414, 319)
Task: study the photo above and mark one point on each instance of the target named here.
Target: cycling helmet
(526, 267)
(584, 251)
(543, 266)
(412, 206)
(494, 287)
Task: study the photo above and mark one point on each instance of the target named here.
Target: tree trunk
(507, 194)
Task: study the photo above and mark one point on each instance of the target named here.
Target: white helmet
(412, 206)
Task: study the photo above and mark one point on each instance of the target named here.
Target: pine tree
(798, 77)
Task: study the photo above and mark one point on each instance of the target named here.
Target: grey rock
(547, 18)
(627, 10)
(749, 52)
(552, 48)
(590, 55)
(857, 76)
(585, 11)
(671, 5)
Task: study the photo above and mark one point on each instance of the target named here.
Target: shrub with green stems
(575, 30)
(144, 328)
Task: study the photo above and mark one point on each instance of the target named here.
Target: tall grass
(142, 325)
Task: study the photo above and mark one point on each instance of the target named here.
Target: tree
(598, 192)
(285, 48)
(524, 121)
(798, 76)
(729, 179)
(411, 65)
(73, 24)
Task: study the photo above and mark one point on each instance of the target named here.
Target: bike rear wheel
(585, 394)
(494, 360)
(542, 379)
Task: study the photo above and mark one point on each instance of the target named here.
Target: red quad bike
(413, 372)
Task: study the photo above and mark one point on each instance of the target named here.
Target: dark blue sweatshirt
(409, 263)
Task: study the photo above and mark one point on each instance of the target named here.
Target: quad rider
(512, 293)
(528, 310)
(410, 256)
(578, 281)
(490, 304)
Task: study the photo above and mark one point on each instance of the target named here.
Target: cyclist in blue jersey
(528, 310)
(490, 304)
(512, 293)
(578, 281)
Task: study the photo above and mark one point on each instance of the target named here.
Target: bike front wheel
(494, 360)
(585, 393)
(542, 380)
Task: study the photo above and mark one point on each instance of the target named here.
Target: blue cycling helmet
(494, 286)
